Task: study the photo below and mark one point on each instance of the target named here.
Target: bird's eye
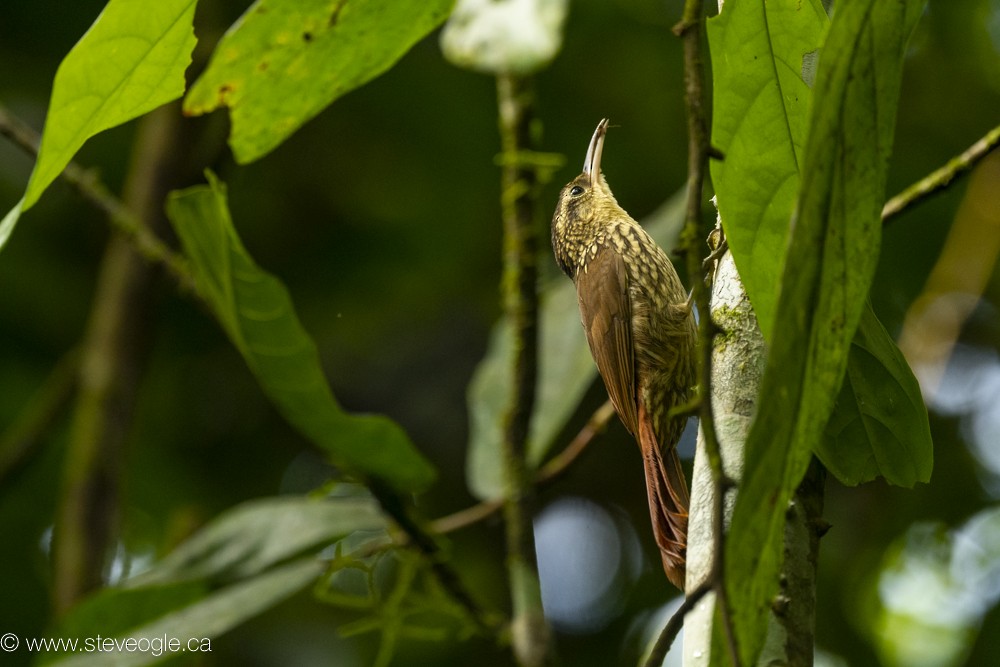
(576, 191)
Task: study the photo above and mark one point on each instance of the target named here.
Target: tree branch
(559, 463)
(699, 149)
(112, 357)
(549, 472)
(941, 178)
(90, 187)
(519, 198)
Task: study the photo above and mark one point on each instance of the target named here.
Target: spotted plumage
(641, 333)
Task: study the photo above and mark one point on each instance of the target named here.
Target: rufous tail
(667, 489)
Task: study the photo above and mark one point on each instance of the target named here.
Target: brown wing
(602, 290)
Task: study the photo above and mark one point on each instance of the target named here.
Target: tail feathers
(667, 490)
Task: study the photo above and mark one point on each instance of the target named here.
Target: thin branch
(551, 471)
(674, 625)
(113, 355)
(473, 514)
(466, 517)
(699, 148)
(562, 461)
(91, 188)
(519, 203)
(941, 178)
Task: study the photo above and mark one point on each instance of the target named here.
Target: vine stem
(699, 149)
(548, 472)
(674, 625)
(519, 202)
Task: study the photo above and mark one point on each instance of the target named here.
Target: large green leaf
(760, 121)
(201, 621)
(284, 61)
(115, 611)
(879, 426)
(131, 61)
(256, 312)
(763, 55)
(251, 537)
(566, 370)
(832, 251)
(244, 544)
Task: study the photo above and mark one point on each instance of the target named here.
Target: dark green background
(382, 217)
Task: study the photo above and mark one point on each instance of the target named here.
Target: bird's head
(585, 206)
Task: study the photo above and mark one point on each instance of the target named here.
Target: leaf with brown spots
(284, 61)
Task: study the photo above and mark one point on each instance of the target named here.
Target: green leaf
(131, 61)
(256, 312)
(832, 252)
(203, 620)
(284, 61)
(760, 123)
(880, 425)
(566, 370)
(114, 611)
(252, 537)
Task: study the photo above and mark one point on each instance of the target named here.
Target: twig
(674, 625)
(91, 188)
(941, 178)
(549, 472)
(559, 463)
(689, 30)
(515, 99)
(467, 516)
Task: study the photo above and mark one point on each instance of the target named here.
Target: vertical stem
(698, 146)
(515, 97)
(689, 30)
(733, 374)
(112, 357)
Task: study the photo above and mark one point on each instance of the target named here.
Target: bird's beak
(592, 164)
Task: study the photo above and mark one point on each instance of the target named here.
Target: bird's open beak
(592, 164)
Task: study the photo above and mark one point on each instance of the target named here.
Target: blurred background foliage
(382, 217)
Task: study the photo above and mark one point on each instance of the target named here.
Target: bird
(639, 324)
